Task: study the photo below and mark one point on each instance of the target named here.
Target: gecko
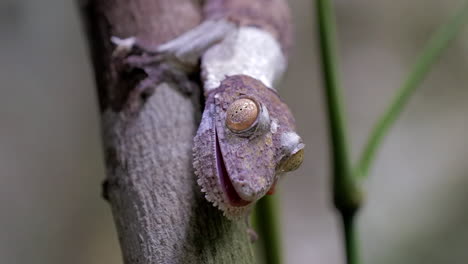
(246, 140)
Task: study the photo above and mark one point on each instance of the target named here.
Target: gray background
(51, 162)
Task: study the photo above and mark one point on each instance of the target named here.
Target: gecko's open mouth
(226, 184)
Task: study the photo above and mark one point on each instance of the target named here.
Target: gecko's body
(246, 139)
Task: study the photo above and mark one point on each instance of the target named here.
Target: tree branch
(159, 211)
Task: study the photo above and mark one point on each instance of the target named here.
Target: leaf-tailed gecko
(246, 140)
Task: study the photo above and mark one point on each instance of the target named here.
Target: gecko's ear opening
(294, 152)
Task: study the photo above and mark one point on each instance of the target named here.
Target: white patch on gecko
(249, 51)
(291, 142)
(274, 126)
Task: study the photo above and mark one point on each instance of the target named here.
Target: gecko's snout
(246, 191)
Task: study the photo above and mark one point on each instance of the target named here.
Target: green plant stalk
(267, 224)
(346, 193)
(351, 241)
(435, 46)
(346, 185)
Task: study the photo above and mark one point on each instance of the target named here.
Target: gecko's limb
(158, 66)
(225, 48)
(183, 51)
(177, 57)
(190, 46)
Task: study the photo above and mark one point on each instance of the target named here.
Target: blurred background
(51, 164)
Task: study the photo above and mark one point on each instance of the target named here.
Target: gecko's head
(245, 142)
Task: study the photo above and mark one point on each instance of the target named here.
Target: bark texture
(148, 124)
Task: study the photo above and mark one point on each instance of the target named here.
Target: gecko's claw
(253, 236)
(123, 46)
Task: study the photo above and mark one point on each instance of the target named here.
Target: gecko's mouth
(226, 183)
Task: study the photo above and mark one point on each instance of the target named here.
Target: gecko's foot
(252, 235)
(157, 66)
(134, 54)
(182, 52)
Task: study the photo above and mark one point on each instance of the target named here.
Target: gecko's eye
(294, 161)
(294, 151)
(241, 115)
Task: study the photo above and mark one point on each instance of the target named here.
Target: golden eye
(241, 114)
(294, 162)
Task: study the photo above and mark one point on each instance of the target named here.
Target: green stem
(350, 238)
(344, 187)
(346, 192)
(266, 223)
(435, 46)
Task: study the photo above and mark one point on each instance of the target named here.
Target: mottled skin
(234, 169)
(253, 162)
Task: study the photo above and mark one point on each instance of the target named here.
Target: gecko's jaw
(226, 184)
